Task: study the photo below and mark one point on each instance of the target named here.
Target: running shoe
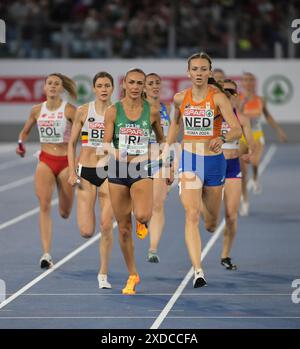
(256, 187)
(226, 262)
(153, 256)
(46, 261)
(132, 281)
(141, 230)
(102, 281)
(199, 280)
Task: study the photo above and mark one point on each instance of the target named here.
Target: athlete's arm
(80, 117)
(70, 112)
(155, 121)
(271, 121)
(23, 135)
(246, 128)
(225, 107)
(109, 125)
(176, 119)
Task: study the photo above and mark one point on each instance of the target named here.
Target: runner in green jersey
(128, 124)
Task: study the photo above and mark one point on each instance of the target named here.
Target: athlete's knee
(143, 216)
(192, 215)
(231, 217)
(211, 225)
(45, 205)
(106, 226)
(64, 213)
(86, 231)
(125, 229)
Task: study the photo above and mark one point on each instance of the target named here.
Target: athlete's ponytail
(68, 84)
(212, 81)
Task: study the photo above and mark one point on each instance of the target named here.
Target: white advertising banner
(21, 81)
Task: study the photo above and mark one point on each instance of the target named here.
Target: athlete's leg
(65, 193)
(244, 169)
(212, 200)
(232, 201)
(142, 199)
(121, 204)
(86, 199)
(106, 227)
(44, 188)
(259, 149)
(157, 221)
(190, 189)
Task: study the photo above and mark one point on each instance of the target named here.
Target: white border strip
(51, 270)
(265, 162)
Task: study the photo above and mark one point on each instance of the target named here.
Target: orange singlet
(202, 120)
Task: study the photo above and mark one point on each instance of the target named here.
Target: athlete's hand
(215, 144)
(282, 136)
(73, 179)
(21, 149)
(246, 158)
(171, 177)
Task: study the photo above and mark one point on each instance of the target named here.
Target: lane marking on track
(51, 270)
(265, 162)
(16, 184)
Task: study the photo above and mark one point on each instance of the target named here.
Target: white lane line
(75, 317)
(55, 267)
(146, 317)
(156, 294)
(24, 215)
(265, 162)
(16, 184)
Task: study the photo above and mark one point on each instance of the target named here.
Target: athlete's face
(103, 89)
(152, 86)
(199, 71)
(53, 86)
(134, 84)
(248, 82)
(219, 76)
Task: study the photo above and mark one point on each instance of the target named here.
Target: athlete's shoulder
(70, 107)
(111, 112)
(219, 96)
(179, 97)
(36, 109)
(83, 108)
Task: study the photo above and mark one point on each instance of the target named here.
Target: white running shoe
(102, 280)
(256, 187)
(46, 261)
(244, 208)
(199, 280)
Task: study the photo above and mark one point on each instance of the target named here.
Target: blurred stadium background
(81, 37)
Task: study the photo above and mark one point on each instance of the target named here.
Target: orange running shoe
(132, 281)
(141, 230)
